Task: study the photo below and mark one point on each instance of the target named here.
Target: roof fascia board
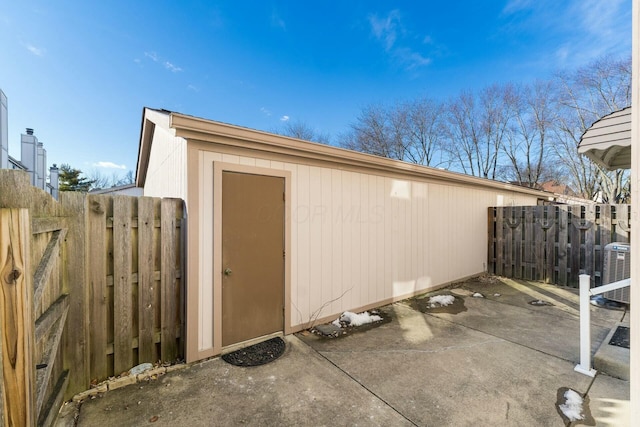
(190, 127)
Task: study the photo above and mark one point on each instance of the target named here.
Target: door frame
(218, 168)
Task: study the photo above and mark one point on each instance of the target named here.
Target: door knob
(227, 271)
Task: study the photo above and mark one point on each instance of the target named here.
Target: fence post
(16, 324)
(585, 328)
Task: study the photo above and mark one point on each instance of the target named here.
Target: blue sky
(80, 72)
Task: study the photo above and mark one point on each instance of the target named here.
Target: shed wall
(360, 239)
(167, 170)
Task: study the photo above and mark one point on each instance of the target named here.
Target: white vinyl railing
(584, 367)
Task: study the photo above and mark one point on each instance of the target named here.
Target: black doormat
(620, 337)
(257, 354)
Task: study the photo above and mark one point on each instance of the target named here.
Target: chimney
(54, 174)
(29, 153)
(4, 131)
(41, 167)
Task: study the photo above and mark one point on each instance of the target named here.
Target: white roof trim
(608, 141)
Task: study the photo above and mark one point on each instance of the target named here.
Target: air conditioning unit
(617, 266)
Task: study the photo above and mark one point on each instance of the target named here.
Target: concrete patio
(496, 360)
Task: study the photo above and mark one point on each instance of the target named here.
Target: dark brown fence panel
(554, 243)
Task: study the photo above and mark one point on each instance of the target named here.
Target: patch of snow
(496, 295)
(441, 300)
(478, 295)
(355, 319)
(572, 408)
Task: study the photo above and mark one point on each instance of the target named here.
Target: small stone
(152, 373)
(461, 292)
(175, 367)
(85, 395)
(121, 382)
(327, 329)
(140, 368)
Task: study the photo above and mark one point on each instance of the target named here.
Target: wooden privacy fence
(89, 287)
(554, 243)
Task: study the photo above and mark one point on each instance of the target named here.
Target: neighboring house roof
(608, 141)
(554, 186)
(209, 131)
(127, 190)
(17, 164)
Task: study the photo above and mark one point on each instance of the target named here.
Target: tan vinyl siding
(358, 239)
(166, 172)
(360, 231)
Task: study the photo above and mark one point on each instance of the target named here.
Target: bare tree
(584, 96)
(477, 128)
(102, 181)
(372, 133)
(425, 131)
(527, 143)
(301, 130)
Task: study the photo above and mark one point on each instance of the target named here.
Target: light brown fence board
(170, 292)
(123, 320)
(16, 306)
(96, 267)
(554, 243)
(146, 281)
(75, 283)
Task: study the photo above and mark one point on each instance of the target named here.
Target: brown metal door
(252, 256)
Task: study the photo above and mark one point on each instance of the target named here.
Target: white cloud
(411, 58)
(386, 29)
(152, 56)
(277, 21)
(583, 29)
(193, 88)
(284, 118)
(514, 6)
(265, 111)
(397, 40)
(109, 165)
(166, 64)
(35, 50)
(173, 68)
(562, 53)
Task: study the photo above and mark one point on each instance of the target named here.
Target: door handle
(227, 271)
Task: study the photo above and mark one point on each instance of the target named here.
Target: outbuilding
(283, 234)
